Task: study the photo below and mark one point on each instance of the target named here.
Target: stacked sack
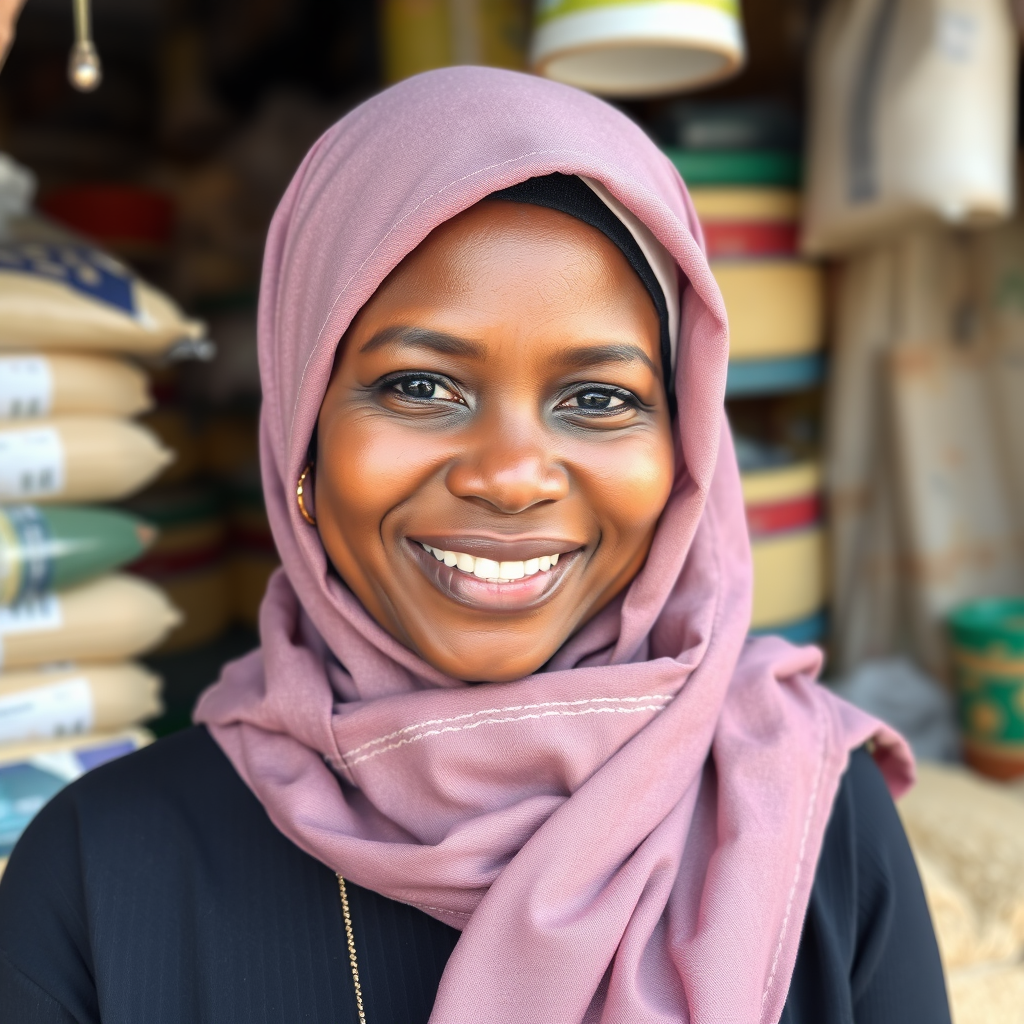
(232, 457)
(742, 166)
(215, 552)
(187, 560)
(967, 834)
(784, 516)
(69, 623)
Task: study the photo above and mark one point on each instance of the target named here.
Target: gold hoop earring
(300, 497)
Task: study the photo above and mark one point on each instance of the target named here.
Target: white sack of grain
(108, 619)
(77, 458)
(72, 296)
(60, 700)
(913, 116)
(61, 384)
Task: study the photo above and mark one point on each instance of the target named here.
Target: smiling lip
(497, 547)
(508, 595)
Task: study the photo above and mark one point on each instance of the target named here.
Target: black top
(155, 890)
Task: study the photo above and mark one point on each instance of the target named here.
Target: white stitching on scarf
(503, 721)
(500, 711)
(799, 863)
(441, 910)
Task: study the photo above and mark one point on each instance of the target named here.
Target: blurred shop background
(855, 167)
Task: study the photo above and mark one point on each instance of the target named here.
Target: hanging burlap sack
(913, 116)
(863, 559)
(953, 404)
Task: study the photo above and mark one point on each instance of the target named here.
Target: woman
(504, 689)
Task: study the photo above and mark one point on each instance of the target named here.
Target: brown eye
(424, 389)
(417, 387)
(596, 401)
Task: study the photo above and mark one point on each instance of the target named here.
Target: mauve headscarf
(631, 834)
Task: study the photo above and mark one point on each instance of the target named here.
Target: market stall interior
(854, 167)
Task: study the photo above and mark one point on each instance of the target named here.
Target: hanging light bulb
(84, 69)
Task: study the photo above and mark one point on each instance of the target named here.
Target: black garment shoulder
(156, 889)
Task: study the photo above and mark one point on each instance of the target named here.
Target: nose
(510, 468)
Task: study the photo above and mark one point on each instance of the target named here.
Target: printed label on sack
(957, 35)
(62, 709)
(80, 267)
(31, 463)
(33, 616)
(27, 552)
(26, 387)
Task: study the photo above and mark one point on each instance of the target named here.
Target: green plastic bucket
(988, 662)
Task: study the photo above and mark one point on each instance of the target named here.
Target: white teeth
(490, 570)
(486, 569)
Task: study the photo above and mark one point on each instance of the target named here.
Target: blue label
(80, 267)
(93, 757)
(27, 787)
(24, 789)
(35, 550)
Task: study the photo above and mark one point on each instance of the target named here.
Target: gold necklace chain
(350, 936)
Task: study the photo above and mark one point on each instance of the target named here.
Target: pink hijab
(630, 834)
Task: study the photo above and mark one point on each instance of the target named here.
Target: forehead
(499, 246)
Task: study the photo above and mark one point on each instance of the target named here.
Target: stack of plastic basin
(741, 163)
(787, 542)
(775, 299)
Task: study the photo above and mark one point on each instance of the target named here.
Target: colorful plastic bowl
(987, 639)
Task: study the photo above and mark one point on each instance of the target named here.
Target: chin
(475, 670)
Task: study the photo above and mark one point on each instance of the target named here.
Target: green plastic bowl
(765, 167)
(988, 667)
(993, 627)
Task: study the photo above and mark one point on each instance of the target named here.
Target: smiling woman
(511, 436)
(506, 754)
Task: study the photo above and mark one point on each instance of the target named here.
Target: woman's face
(494, 448)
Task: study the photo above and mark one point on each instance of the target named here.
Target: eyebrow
(421, 337)
(594, 355)
(580, 358)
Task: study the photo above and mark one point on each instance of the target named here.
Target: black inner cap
(569, 194)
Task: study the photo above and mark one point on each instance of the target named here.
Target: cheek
(368, 465)
(628, 484)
